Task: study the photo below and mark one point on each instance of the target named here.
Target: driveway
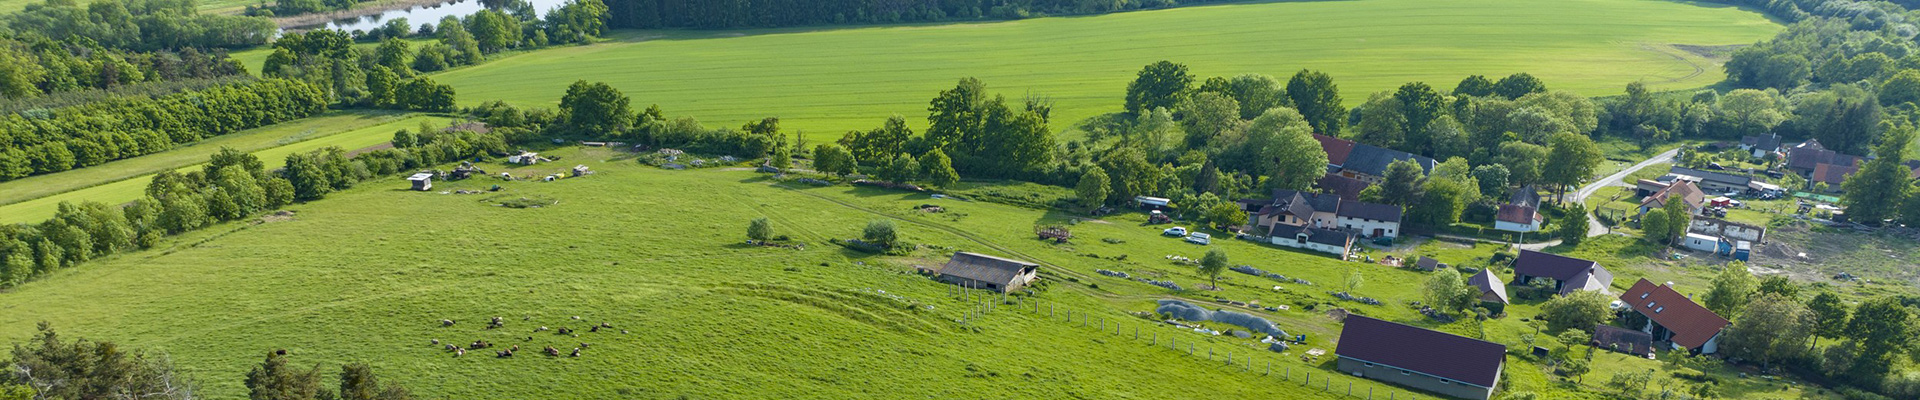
(1594, 228)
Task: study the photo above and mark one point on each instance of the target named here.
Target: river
(418, 15)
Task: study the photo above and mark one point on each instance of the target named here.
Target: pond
(428, 14)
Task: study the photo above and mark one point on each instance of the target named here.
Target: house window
(1658, 310)
(1644, 295)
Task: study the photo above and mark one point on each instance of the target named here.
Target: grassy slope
(36, 198)
(365, 275)
(829, 80)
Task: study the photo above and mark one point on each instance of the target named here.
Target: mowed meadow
(368, 273)
(829, 80)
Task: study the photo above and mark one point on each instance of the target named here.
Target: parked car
(1175, 231)
(1199, 238)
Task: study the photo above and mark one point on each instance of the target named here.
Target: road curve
(1594, 228)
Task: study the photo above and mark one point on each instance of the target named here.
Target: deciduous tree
(1318, 99)
(1160, 84)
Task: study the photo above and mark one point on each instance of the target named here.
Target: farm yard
(825, 81)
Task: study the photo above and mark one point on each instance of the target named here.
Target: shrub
(881, 233)
(759, 229)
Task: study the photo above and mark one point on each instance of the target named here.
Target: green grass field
(367, 274)
(829, 80)
(35, 198)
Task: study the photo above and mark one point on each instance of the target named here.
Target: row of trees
(656, 14)
(80, 136)
(231, 186)
(141, 25)
(48, 366)
(32, 65)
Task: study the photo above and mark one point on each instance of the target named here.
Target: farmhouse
(1673, 319)
(1760, 145)
(1424, 359)
(1310, 238)
(1807, 156)
(1492, 290)
(421, 181)
(1568, 274)
(1324, 211)
(1427, 264)
(1363, 161)
(1699, 242)
(982, 271)
(1683, 190)
(1714, 182)
(1347, 188)
(1521, 213)
(1832, 175)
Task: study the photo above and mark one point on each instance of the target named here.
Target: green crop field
(368, 273)
(826, 81)
(35, 198)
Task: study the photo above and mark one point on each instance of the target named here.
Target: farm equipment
(1056, 233)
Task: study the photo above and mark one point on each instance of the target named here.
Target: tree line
(33, 65)
(46, 141)
(139, 25)
(231, 186)
(657, 14)
(48, 366)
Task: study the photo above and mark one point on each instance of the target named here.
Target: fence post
(1349, 388)
(1269, 368)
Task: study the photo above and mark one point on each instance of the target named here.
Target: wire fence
(1246, 359)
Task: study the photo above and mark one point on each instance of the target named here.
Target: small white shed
(421, 181)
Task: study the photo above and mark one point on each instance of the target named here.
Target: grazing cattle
(576, 318)
(585, 344)
(446, 322)
(595, 328)
(565, 331)
(436, 341)
(503, 353)
(540, 329)
(552, 351)
(514, 348)
(576, 352)
(606, 325)
(459, 352)
(623, 331)
(280, 352)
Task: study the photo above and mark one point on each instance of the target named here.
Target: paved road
(1594, 228)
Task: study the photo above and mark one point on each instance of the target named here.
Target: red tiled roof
(1833, 174)
(1420, 350)
(1518, 214)
(1688, 191)
(1337, 148)
(1691, 324)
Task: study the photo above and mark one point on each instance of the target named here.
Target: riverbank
(306, 22)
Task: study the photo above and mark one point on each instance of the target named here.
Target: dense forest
(703, 14)
(141, 25)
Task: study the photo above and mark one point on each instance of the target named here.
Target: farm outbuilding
(1434, 361)
(975, 270)
(421, 181)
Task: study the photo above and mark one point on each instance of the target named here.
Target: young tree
(1572, 228)
(405, 139)
(781, 159)
(596, 108)
(1780, 285)
(901, 169)
(1093, 187)
(1318, 99)
(1158, 85)
(1447, 291)
(760, 229)
(1579, 310)
(938, 168)
(1732, 289)
(832, 159)
(880, 232)
(1212, 265)
(1654, 226)
(1225, 214)
(1354, 280)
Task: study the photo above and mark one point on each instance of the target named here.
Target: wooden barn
(980, 271)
